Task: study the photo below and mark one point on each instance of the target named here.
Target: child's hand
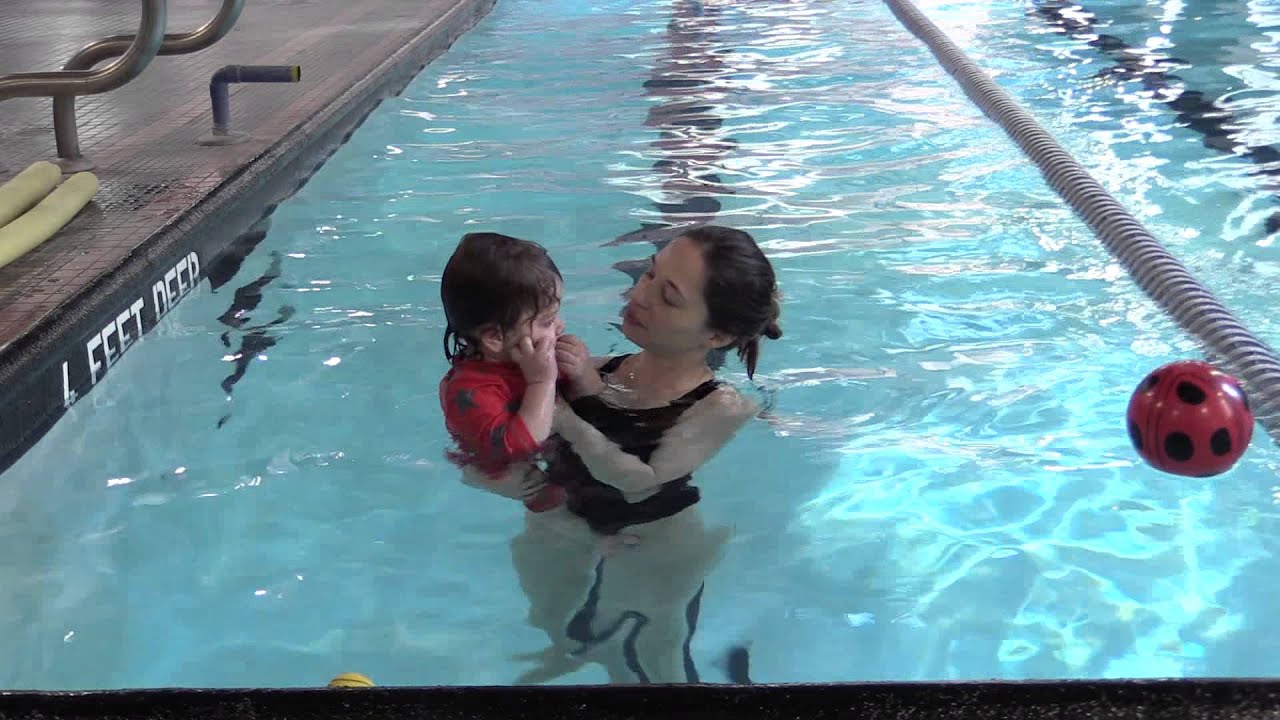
(532, 483)
(537, 360)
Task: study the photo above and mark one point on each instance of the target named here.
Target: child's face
(545, 325)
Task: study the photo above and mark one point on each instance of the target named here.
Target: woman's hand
(574, 362)
(572, 357)
(534, 480)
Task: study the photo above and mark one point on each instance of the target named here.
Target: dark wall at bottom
(1067, 700)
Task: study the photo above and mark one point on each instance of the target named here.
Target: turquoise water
(943, 489)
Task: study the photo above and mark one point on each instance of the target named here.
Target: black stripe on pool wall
(227, 264)
(689, 140)
(691, 147)
(1208, 116)
(257, 339)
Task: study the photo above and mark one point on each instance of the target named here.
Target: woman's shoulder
(727, 401)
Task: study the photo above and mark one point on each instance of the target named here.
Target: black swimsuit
(637, 432)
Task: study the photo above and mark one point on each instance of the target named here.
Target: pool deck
(143, 136)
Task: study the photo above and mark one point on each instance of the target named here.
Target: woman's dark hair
(741, 290)
(493, 279)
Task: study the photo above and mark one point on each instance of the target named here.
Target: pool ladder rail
(133, 54)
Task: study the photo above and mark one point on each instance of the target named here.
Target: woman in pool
(634, 430)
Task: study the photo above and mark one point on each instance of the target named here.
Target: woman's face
(666, 311)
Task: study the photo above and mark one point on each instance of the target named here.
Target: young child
(501, 299)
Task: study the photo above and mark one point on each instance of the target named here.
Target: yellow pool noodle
(26, 188)
(48, 217)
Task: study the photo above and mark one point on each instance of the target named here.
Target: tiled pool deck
(143, 135)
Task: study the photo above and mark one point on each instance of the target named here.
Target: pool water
(257, 494)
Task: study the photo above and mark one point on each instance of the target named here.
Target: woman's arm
(695, 438)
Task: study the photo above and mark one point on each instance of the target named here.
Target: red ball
(1188, 418)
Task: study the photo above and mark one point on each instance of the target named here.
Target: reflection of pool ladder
(1153, 268)
(135, 52)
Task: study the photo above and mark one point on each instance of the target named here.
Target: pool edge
(45, 371)
(1006, 700)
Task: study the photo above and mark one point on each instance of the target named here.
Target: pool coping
(994, 700)
(47, 370)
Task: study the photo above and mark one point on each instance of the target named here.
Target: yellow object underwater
(26, 188)
(351, 680)
(48, 217)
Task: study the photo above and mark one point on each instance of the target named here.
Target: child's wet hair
(493, 280)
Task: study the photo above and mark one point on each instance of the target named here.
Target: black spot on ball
(1177, 445)
(1135, 435)
(1190, 393)
(1220, 442)
(1152, 379)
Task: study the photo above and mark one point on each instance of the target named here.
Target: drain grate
(128, 196)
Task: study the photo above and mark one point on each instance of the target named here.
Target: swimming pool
(257, 494)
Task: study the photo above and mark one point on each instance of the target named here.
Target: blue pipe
(244, 74)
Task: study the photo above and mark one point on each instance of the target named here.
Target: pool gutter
(1032, 700)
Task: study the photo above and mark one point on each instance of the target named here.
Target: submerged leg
(640, 616)
(555, 560)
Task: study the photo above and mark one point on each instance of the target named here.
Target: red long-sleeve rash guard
(481, 401)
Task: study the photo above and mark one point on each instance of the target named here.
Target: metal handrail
(64, 105)
(142, 48)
